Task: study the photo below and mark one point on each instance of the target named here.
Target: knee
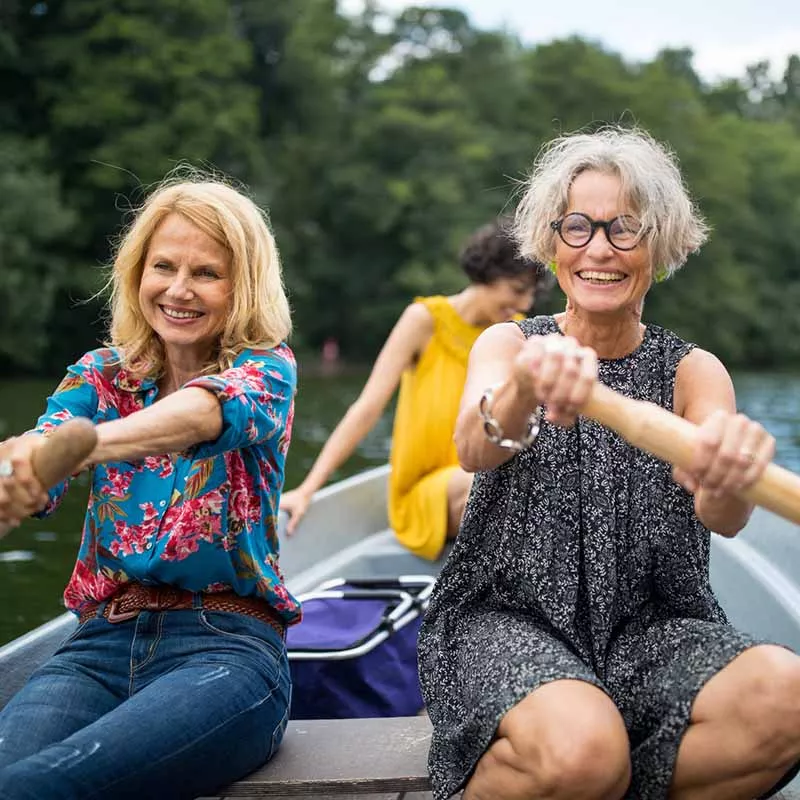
(771, 709)
(587, 763)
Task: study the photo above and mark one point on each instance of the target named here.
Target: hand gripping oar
(671, 438)
(63, 451)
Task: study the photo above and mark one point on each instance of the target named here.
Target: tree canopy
(377, 142)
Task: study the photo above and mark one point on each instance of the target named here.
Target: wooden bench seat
(352, 759)
(383, 757)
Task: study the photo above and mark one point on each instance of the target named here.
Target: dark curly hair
(492, 253)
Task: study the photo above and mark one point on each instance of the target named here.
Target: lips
(601, 277)
(180, 313)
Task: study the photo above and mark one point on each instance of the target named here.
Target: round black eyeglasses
(576, 230)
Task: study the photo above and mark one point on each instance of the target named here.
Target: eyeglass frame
(595, 224)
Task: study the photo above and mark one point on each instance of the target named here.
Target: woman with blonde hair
(175, 681)
(573, 647)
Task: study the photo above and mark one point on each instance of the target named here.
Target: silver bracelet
(493, 429)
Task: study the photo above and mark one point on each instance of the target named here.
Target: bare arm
(408, 338)
(187, 417)
(491, 362)
(553, 370)
(182, 419)
(704, 395)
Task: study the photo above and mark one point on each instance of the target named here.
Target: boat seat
(382, 758)
(345, 759)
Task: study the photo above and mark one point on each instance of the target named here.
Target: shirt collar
(127, 382)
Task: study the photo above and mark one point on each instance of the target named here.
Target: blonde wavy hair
(651, 184)
(259, 316)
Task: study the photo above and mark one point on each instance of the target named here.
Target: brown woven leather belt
(135, 597)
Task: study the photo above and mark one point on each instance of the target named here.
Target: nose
(527, 300)
(600, 245)
(180, 287)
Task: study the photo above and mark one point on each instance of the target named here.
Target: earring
(661, 274)
(553, 267)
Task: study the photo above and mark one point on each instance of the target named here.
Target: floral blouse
(202, 520)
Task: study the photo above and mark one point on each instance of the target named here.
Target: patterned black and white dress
(579, 558)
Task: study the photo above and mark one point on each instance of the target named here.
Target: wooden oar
(671, 438)
(64, 450)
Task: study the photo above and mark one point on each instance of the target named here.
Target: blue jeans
(172, 704)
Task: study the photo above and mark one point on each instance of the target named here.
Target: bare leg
(566, 740)
(457, 492)
(744, 733)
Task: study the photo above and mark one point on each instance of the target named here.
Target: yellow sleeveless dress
(423, 455)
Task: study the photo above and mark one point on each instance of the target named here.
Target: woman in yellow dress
(426, 354)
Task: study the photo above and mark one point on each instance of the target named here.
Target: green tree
(34, 226)
(414, 183)
(305, 67)
(132, 88)
(377, 141)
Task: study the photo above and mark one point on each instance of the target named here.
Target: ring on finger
(6, 468)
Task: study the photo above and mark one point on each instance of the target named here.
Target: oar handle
(672, 438)
(64, 450)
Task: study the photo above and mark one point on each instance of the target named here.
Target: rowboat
(346, 533)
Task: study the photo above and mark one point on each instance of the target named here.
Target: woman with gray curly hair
(573, 647)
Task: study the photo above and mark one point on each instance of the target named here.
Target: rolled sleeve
(256, 398)
(75, 396)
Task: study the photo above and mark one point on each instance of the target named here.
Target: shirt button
(163, 503)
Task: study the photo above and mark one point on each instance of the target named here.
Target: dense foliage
(377, 142)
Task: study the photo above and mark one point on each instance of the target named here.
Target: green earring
(553, 267)
(661, 274)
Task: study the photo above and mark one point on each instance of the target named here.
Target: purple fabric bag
(355, 652)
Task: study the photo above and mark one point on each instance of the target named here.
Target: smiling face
(185, 289)
(598, 278)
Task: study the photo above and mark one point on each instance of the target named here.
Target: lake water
(36, 560)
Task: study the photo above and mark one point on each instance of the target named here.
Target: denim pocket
(244, 629)
(74, 634)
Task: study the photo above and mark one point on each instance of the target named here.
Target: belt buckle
(115, 615)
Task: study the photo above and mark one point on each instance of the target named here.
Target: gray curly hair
(651, 183)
